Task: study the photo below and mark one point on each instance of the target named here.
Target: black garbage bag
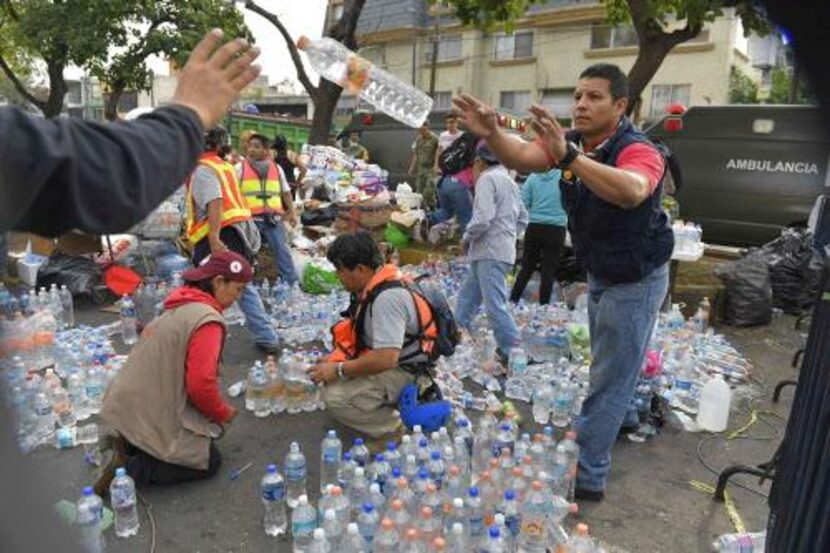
(748, 300)
(79, 274)
(793, 270)
(323, 216)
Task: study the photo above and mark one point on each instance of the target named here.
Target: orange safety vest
(233, 206)
(348, 333)
(262, 197)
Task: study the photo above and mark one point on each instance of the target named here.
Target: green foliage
(742, 89)
(780, 89)
(488, 14)
(694, 12)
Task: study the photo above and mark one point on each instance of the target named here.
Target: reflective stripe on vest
(261, 197)
(346, 337)
(233, 207)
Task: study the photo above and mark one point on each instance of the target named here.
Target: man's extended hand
(323, 373)
(479, 118)
(552, 134)
(213, 77)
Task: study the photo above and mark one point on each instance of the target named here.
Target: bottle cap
(402, 482)
(368, 507)
(510, 495)
(331, 433)
(351, 529)
(458, 503)
(536, 485)
(423, 443)
(391, 446)
(411, 534)
(358, 441)
(396, 473)
(454, 470)
(570, 435)
(494, 532)
(336, 491)
(473, 492)
(432, 488)
(379, 458)
(582, 529)
(397, 504)
(457, 528)
(319, 534)
(423, 474)
(303, 42)
(436, 455)
(270, 469)
(303, 499)
(121, 472)
(87, 491)
(426, 511)
(387, 524)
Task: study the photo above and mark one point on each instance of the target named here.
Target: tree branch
(289, 42)
(344, 29)
(18, 84)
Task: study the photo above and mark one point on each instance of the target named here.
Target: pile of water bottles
(298, 317)
(484, 489)
(282, 386)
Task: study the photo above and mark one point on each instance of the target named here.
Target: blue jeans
(454, 199)
(621, 320)
(485, 282)
(256, 319)
(277, 238)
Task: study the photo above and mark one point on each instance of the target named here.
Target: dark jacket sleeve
(62, 174)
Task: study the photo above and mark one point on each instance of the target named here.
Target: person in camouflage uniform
(423, 163)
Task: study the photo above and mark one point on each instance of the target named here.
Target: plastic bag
(395, 236)
(748, 290)
(793, 274)
(79, 274)
(319, 277)
(323, 216)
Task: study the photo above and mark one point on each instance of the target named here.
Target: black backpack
(458, 155)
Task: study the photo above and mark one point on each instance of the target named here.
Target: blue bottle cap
(379, 458)
(391, 446)
(368, 507)
(473, 491)
(504, 426)
(358, 441)
(494, 532)
(510, 495)
(270, 469)
(87, 491)
(436, 455)
(548, 430)
(423, 443)
(423, 473)
(347, 456)
(396, 473)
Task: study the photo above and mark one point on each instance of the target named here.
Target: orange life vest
(262, 197)
(233, 206)
(348, 333)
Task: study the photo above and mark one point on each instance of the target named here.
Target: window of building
(73, 92)
(442, 101)
(513, 47)
(559, 101)
(449, 48)
(664, 95)
(515, 100)
(606, 36)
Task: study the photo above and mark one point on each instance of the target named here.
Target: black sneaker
(628, 429)
(584, 494)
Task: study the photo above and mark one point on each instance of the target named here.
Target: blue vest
(615, 244)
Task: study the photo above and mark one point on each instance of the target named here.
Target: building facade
(541, 60)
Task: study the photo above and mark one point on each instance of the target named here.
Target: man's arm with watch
(372, 362)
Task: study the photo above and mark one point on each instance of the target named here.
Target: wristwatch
(340, 373)
(571, 153)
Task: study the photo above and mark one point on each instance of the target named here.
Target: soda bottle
(330, 452)
(360, 77)
(122, 497)
(295, 475)
(272, 490)
(129, 332)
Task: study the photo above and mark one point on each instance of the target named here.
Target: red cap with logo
(226, 264)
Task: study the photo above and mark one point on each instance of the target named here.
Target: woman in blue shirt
(545, 234)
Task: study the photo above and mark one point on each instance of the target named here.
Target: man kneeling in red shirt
(165, 404)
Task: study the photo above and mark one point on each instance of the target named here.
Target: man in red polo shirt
(611, 189)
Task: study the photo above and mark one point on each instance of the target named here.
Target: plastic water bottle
(411, 542)
(303, 523)
(345, 471)
(95, 388)
(504, 441)
(340, 504)
(330, 452)
(437, 469)
(122, 497)
(272, 492)
(399, 514)
(276, 386)
(393, 456)
(542, 404)
(562, 407)
(457, 539)
(360, 453)
(360, 77)
(494, 543)
(45, 416)
(517, 362)
(367, 522)
(715, 400)
(379, 472)
(359, 490)
(533, 533)
(319, 542)
(353, 542)
(333, 527)
(568, 452)
(741, 543)
(510, 509)
(88, 520)
(475, 514)
(295, 475)
(376, 497)
(581, 542)
(129, 332)
(68, 306)
(387, 538)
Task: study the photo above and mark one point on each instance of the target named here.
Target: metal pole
(434, 66)
(414, 53)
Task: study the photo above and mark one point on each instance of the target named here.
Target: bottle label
(533, 528)
(357, 73)
(301, 527)
(476, 525)
(683, 384)
(296, 473)
(330, 458)
(273, 492)
(512, 523)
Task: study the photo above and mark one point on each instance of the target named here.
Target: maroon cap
(226, 264)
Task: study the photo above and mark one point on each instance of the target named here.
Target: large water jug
(715, 400)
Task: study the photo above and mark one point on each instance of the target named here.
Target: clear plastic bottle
(276, 385)
(437, 469)
(123, 499)
(399, 514)
(345, 471)
(334, 528)
(405, 495)
(376, 498)
(387, 537)
(272, 492)
(367, 523)
(353, 542)
(331, 450)
(510, 509)
(504, 441)
(475, 514)
(129, 331)
(568, 449)
(715, 401)
(77, 395)
(95, 388)
(359, 490)
(542, 404)
(45, 417)
(563, 404)
(393, 456)
(303, 523)
(581, 542)
(360, 77)
(62, 407)
(494, 543)
(340, 504)
(741, 543)
(411, 542)
(379, 472)
(295, 475)
(68, 306)
(360, 453)
(88, 519)
(517, 362)
(457, 538)
(319, 542)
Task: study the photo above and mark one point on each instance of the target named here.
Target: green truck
(295, 130)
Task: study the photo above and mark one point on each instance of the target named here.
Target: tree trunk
(57, 91)
(111, 105)
(649, 58)
(325, 102)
